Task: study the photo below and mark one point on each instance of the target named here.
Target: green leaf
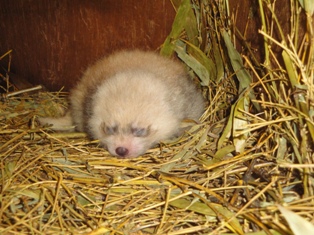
(184, 20)
(242, 74)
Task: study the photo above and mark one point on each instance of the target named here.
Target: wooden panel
(54, 41)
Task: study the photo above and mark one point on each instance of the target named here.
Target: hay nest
(247, 168)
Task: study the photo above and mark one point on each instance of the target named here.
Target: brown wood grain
(54, 41)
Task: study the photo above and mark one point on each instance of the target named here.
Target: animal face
(126, 141)
(130, 113)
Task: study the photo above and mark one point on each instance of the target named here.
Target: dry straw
(252, 152)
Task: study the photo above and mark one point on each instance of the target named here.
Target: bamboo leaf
(308, 5)
(199, 69)
(298, 225)
(184, 20)
(243, 76)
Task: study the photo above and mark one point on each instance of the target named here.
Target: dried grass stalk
(226, 175)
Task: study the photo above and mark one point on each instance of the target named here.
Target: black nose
(121, 151)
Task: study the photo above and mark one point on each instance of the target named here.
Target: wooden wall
(53, 41)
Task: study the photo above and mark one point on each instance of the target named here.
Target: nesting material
(252, 151)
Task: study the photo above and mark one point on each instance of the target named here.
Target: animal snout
(121, 151)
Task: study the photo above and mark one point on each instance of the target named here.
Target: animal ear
(109, 130)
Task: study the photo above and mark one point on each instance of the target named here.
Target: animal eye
(139, 132)
(109, 130)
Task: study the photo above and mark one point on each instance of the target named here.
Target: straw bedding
(247, 168)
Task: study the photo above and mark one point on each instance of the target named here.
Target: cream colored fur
(133, 89)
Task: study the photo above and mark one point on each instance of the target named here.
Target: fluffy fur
(131, 100)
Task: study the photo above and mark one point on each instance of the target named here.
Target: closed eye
(109, 130)
(140, 132)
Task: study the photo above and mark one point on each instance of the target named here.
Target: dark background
(54, 41)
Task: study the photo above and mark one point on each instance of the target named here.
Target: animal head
(130, 113)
